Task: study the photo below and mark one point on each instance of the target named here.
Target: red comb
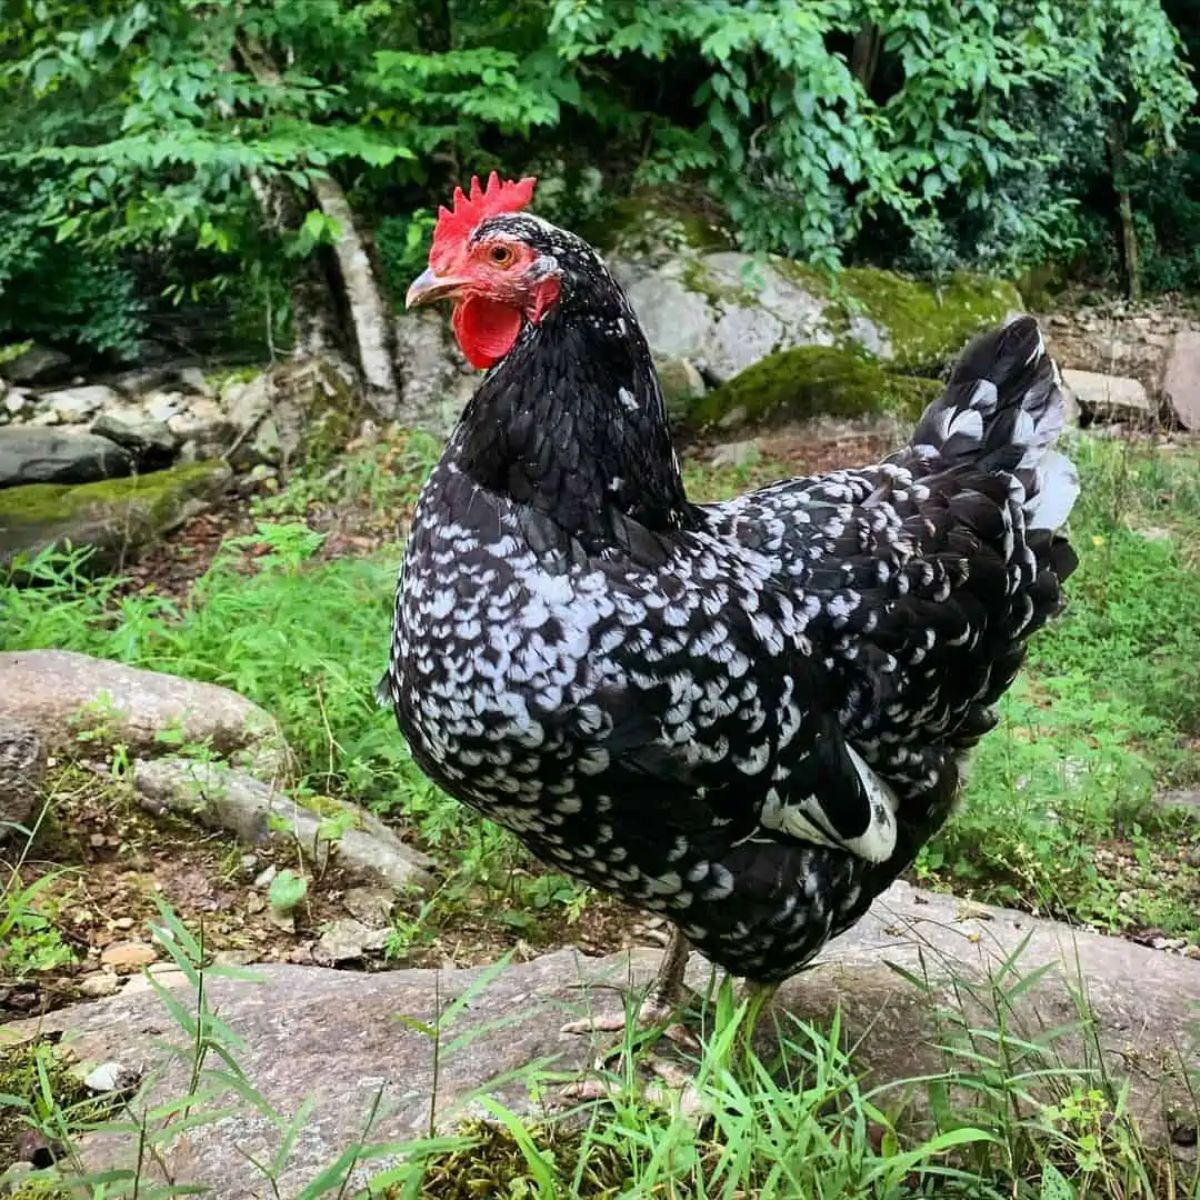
(453, 228)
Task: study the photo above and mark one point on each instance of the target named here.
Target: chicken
(746, 717)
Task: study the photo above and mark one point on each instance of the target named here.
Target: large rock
(335, 1037)
(38, 364)
(725, 310)
(214, 795)
(148, 440)
(22, 765)
(710, 313)
(117, 517)
(41, 455)
(1181, 378)
(60, 694)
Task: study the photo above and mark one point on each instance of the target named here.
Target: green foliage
(286, 891)
(966, 134)
(809, 154)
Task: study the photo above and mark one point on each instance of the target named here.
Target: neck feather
(572, 422)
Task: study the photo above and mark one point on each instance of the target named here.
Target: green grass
(1106, 711)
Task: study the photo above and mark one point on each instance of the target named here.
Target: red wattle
(485, 329)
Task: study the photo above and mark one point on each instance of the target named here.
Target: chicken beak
(428, 287)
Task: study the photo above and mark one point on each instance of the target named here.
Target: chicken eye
(501, 255)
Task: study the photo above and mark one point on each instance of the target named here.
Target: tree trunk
(313, 321)
(1130, 254)
(369, 315)
(864, 58)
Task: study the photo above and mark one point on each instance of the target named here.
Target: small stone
(97, 841)
(15, 402)
(263, 878)
(736, 454)
(193, 379)
(80, 404)
(101, 984)
(346, 940)
(123, 923)
(128, 954)
(249, 862)
(371, 905)
(1183, 1127)
(111, 1077)
(234, 958)
(285, 921)
(255, 903)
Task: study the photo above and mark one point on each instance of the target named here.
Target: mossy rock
(116, 516)
(926, 324)
(807, 381)
(653, 223)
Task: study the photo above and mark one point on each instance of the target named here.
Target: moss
(489, 1161)
(39, 503)
(926, 324)
(810, 380)
(20, 1077)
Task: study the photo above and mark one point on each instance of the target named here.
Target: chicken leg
(660, 1004)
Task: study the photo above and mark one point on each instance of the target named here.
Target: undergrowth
(1058, 815)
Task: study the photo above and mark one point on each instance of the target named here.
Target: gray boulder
(55, 456)
(59, 694)
(130, 427)
(305, 409)
(1109, 396)
(116, 517)
(335, 1036)
(38, 364)
(436, 381)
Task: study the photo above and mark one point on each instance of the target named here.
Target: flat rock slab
(339, 1037)
(59, 694)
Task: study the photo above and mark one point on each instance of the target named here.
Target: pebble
(123, 923)
(347, 939)
(371, 905)
(249, 862)
(101, 984)
(111, 1077)
(284, 921)
(263, 878)
(128, 954)
(98, 840)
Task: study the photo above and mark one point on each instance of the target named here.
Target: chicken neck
(572, 423)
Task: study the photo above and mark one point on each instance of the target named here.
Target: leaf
(286, 891)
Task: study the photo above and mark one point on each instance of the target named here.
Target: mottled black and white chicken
(747, 716)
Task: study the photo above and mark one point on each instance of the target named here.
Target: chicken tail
(1003, 410)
